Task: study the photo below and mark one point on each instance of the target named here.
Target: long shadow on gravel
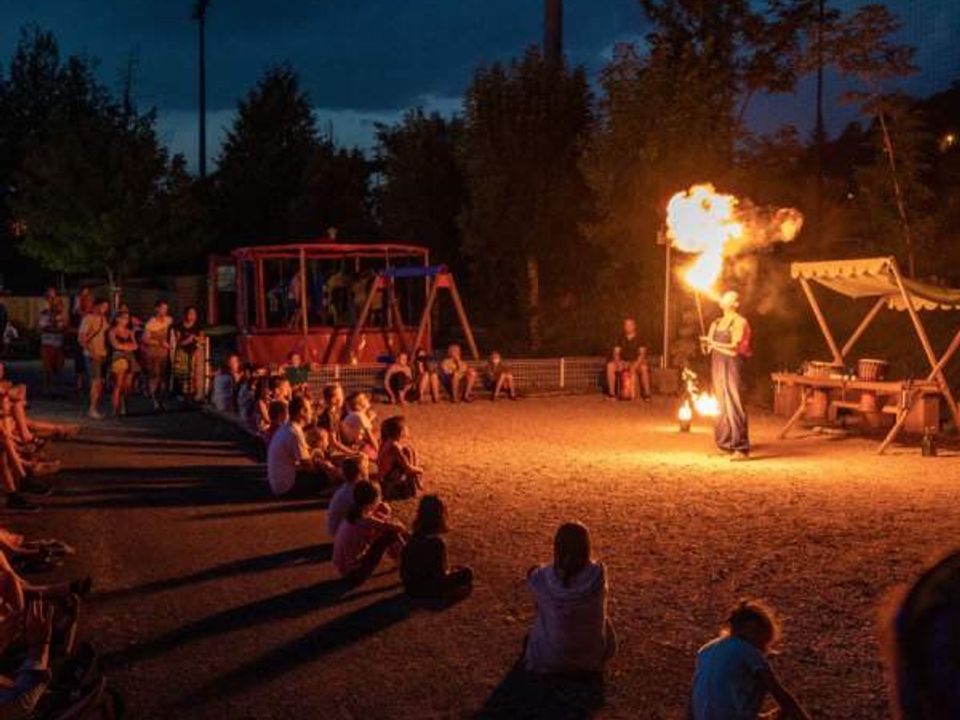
(527, 695)
(292, 604)
(333, 635)
(306, 555)
(170, 486)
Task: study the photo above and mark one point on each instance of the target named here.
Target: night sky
(364, 61)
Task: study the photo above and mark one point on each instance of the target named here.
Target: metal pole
(304, 305)
(203, 101)
(665, 360)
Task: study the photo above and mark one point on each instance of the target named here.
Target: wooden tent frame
(384, 283)
(839, 354)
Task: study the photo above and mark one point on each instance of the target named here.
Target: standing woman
(124, 367)
(82, 306)
(187, 359)
(728, 340)
(156, 345)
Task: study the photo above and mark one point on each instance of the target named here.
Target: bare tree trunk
(533, 302)
(898, 192)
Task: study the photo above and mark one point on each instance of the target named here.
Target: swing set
(334, 303)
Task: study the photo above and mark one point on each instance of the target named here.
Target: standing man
(92, 338)
(729, 342)
(629, 354)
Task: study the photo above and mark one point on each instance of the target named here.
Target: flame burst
(714, 226)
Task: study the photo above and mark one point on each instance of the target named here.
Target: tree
(524, 130)
(89, 193)
(422, 188)
(263, 161)
(334, 192)
(861, 46)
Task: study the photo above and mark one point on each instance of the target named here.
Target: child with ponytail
(571, 632)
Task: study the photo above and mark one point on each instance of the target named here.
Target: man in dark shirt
(629, 354)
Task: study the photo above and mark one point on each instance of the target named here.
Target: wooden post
(304, 304)
(665, 360)
(904, 411)
(462, 315)
(936, 366)
(425, 318)
(861, 328)
(808, 291)
(362, 320)
(796, 415)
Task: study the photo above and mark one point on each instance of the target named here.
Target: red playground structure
(334, 303)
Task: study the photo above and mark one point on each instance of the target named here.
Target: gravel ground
(212, 601)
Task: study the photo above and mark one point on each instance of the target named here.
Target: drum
(871, 369)
(628, 385)
(815, 368)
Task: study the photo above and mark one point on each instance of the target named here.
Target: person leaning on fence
(499, 377)
(458, 376)
(426, 377)
(398, 379)
(627, 364)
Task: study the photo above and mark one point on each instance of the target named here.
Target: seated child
(733, 674)
(364, 536)
(458, 376)
(400, 474)
(423, 565)
(296, 371)
(571, 632)
(354, 470)
(398, 379)
(499, 377)
(426, 377)
(356, 429)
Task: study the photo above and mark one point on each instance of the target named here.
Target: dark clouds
(365, 60)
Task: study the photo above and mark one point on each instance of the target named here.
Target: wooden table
(912, 404)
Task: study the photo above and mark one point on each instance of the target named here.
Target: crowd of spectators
(44, 671)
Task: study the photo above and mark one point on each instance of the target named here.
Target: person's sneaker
(739, 456)
(95, 415)
(39, 469)
(17, 503)
(647, 398)
(36, 487)
(81, 586)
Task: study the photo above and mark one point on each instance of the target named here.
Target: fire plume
(715, 226)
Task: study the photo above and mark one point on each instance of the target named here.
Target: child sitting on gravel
(354, 470)
(365, 535)
(571, 632)
(499, 377)
(400, 474)
(423, 566)
(733, 674)
(356, 430)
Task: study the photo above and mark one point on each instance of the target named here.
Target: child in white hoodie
(571, 632)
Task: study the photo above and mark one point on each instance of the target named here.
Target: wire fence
(531, 375)
(536, 376)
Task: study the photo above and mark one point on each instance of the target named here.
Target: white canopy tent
(880, 278)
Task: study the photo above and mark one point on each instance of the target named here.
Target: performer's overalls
(731, 428)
